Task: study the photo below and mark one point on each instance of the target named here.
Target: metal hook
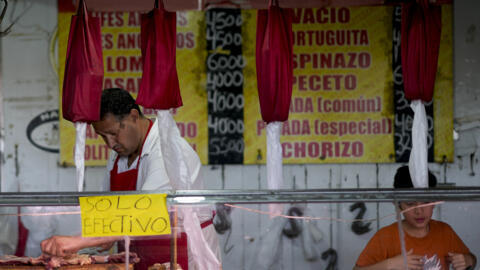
(225, 248)
(221, 4)
(2, 15)
(4, 11)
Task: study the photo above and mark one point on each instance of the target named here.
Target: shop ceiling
(176, 5)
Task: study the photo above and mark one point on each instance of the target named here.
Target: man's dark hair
(403, 179)
(118, 102)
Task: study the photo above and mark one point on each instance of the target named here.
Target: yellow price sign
(132, 215)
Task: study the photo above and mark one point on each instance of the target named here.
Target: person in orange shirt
(430, 244)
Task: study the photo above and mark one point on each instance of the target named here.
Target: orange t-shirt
(440, 240)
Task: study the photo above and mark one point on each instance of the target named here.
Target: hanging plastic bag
(83, 80)
(418, 162)
(270, 246)
(311, 238)
(183, 167)
(421, 33)
(159, 88)
(274, 61)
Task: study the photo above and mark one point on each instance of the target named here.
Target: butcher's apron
(153, 250)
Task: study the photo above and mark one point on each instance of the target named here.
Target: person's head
(119, 124)
(418, 217)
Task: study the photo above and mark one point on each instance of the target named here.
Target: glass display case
(317, 229)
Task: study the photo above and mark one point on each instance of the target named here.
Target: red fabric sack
(421, 33)
(159, 88)
(274, 59)
(83, 80)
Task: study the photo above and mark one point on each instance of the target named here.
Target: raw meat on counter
(52, 262)
(163, 266)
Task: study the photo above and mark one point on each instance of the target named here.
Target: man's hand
(414, 262)
(459, 261)
(61, 245)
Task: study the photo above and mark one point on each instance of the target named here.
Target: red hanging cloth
(22, 237)
(159, 88)
(421, 29)
(83, 80)
(274, 54)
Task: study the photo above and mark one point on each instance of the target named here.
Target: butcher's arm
(59, 245)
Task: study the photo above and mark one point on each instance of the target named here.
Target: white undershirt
(122, 165)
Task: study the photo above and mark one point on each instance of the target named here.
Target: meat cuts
(163, 266)
(74, 259)
(116, 258)
(52, 262)
(14, 260)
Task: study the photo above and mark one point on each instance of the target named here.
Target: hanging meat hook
(4, 11)
(13, 21)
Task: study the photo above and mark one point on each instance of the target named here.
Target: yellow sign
(342, 108)
(123, 69)
(133, 215)
(342, 104)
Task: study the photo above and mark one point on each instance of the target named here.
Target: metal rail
(192, 197)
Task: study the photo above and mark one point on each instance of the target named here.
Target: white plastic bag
(270, 246)
(274, 163)
(81, 129)
(183, 167)
(418, 163)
